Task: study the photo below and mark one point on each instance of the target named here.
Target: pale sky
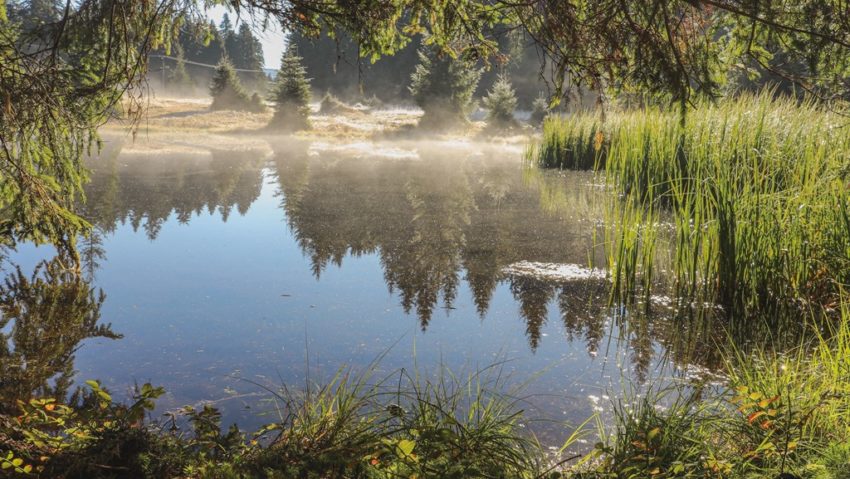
(272, 39)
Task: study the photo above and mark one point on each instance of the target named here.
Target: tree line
(207, 44)
(63, 77)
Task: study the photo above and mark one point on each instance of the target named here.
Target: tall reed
(754, 189)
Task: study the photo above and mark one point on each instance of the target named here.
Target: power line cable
(190, 62)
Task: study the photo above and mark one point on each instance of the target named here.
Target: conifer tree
(500, 103)
(539, 110)
(249, 56)
(443, 88)
(291, 94)
(178, 77)
(226, 90)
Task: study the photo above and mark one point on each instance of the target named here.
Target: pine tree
(539, 110)
(226, 90)
(248, 55)
(211, 48)
(226, 26)
(37, 13)
(291, 94)
(178, 77)
(443, 88)
(500, 103)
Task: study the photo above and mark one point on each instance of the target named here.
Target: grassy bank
(401, 425)
(754, 191)
(776, 413)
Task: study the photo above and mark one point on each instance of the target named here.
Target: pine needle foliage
(539, 111)
(226, 89)
(500, 103)
(291, 94)
(178, 77)
(443, 87)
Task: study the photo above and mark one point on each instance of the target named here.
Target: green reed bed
(775, 413)
(755, 190)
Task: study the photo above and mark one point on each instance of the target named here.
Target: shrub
(443, 88)
(291, 94)
(257, 105)
(399, 426)
(500, 103)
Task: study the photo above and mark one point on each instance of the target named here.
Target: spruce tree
(178, 77)
(249, 56)
(291, 94)
(226, 90)
(500, 103)
(539, 111)
(443, 88)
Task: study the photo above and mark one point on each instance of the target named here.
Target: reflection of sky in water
(210, 299)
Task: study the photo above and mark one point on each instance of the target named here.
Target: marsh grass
(741, 215)
(774, 413)
(754, 190)
(358, 425)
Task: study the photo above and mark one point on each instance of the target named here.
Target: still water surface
(291, 259)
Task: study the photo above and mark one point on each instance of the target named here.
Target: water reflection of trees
(434, 222)
(45, 317)
(144, 190)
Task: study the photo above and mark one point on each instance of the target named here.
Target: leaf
(654, 432)
(752, 417)
(406, 446)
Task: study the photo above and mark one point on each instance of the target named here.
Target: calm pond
(279, 262)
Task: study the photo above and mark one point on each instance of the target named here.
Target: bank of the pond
(775, 414)
(754, 188)
(179, 117)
